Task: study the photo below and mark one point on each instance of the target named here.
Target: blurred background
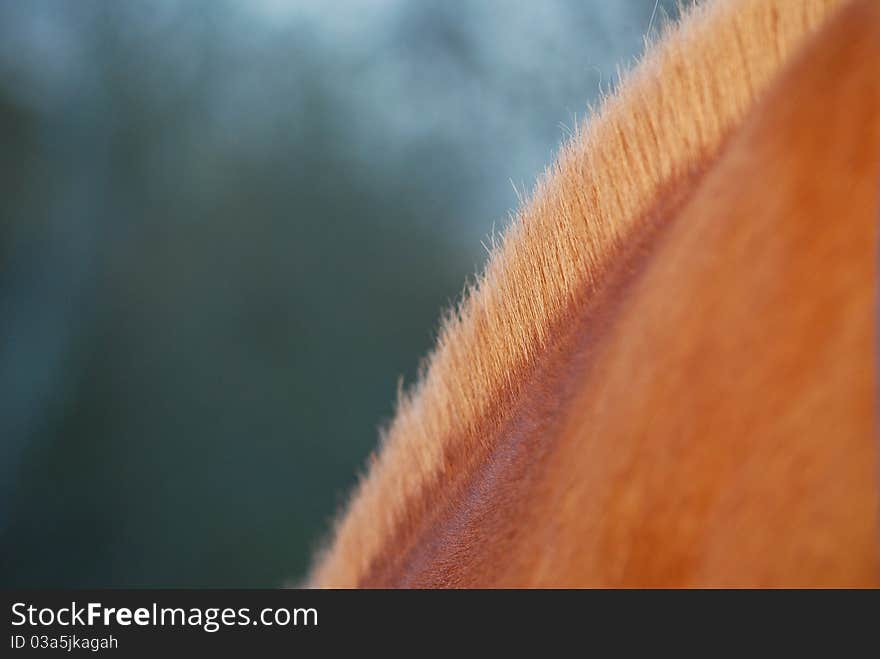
(226, 230)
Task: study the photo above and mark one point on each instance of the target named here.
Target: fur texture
(476, 418)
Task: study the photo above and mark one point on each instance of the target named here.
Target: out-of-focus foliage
(226, 230)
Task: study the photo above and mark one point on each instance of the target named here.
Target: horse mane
(667, 122)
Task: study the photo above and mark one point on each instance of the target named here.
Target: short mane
(668, 118)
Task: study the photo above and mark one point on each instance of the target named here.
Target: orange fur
(650, 383)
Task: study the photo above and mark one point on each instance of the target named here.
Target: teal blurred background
(226, 230)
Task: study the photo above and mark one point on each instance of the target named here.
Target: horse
(665, 375)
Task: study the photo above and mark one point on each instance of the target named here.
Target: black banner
(147, 622)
